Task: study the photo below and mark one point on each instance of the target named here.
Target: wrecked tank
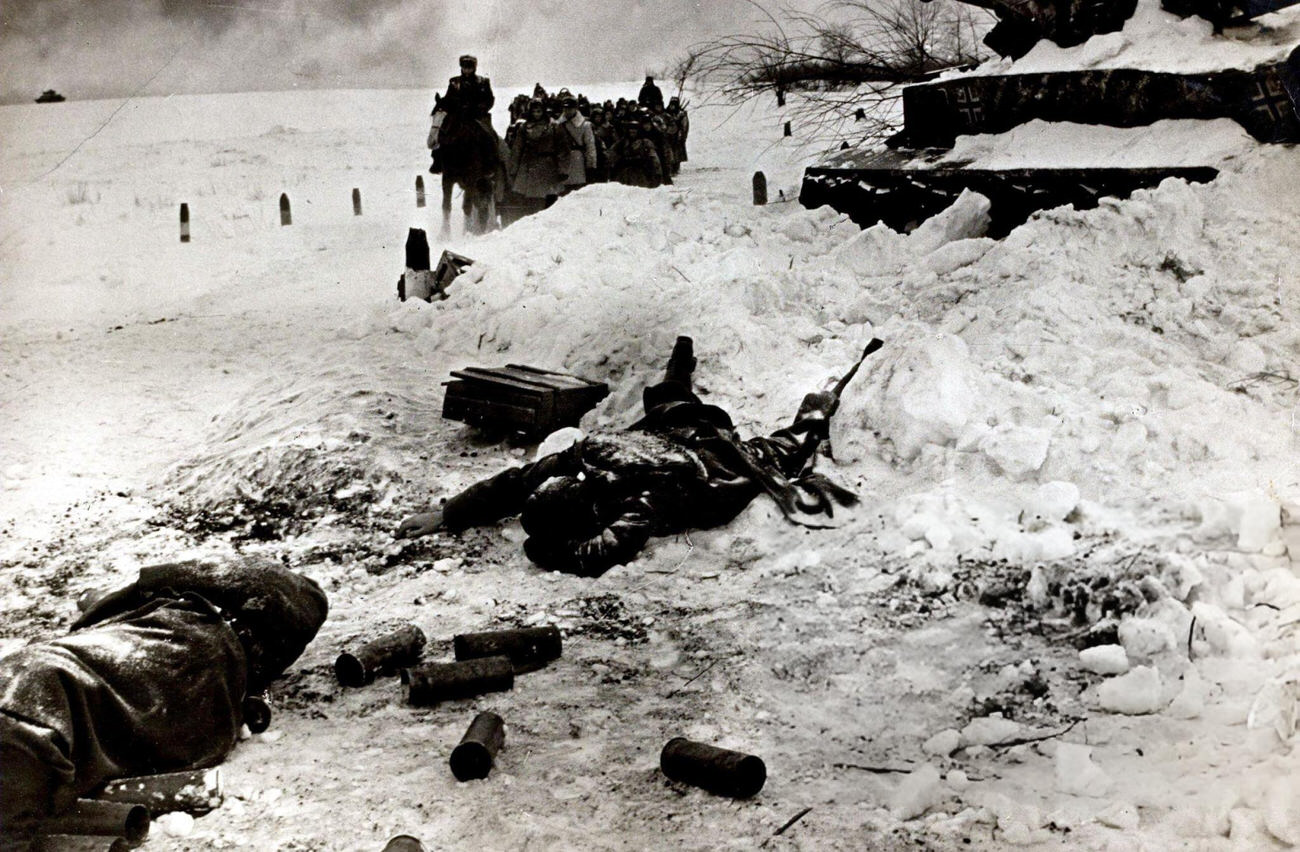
(1013, 128)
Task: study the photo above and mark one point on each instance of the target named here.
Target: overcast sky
(113, 48)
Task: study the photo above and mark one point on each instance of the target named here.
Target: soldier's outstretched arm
(492, 499)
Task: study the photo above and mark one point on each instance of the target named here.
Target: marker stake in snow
(787, 131)
(419, 190)
(356, 202)
(760, 189)
(286, 218)
(185, 222)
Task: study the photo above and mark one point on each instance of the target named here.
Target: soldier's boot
(681, 364)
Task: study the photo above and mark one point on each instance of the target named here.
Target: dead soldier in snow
(681, 467)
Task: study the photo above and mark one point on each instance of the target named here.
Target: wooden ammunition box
(519, 398)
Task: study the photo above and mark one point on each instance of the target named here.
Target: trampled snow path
(1107, 393)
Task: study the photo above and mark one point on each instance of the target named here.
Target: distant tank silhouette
(49, 96)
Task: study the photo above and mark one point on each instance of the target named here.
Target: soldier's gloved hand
(419, 524)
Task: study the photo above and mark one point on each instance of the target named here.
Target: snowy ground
(1104, 399)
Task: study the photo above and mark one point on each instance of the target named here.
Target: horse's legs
(470, 209)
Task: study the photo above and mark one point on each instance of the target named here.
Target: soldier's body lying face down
(682, 467)
(151, 679)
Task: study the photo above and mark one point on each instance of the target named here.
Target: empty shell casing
(528, 648)
(102, 819)
(432, 683)
(473, 757)
(384, 655)
(718, 770)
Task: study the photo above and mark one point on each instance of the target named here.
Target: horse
(470, 155)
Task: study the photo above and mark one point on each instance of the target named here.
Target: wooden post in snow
(419, 190)
(760, 189)
(787, 129)
(286, 218)
(356, 201)
(185, 222)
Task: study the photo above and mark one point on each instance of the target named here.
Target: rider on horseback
(467, 104)
(469, 96)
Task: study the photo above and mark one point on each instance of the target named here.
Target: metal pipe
(436, 682)
(74, 843)
(529, 648)
(101, 819)
(718, 770)
(472, 759)
(194, 791)
(385, 655)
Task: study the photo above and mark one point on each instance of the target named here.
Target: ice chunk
(1145, 637)
(1180, 576)
(921, 790)
(955, 255)
(1018, 821)
(1120, 815)
(1104, 659)
(1282, 810)
(1224, 636)
(943, 743)
(929, 396)
(1275, 708)
(1017, 450)
(1053, 501)
(989, 730)
(175, 824)
(1076, 774)
(1189, 703)
(1261, 521)
(1132, 694)
(965, 218)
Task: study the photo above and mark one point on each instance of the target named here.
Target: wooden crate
(519, 398)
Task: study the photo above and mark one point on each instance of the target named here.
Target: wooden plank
(476, 411)
(472, 374)
(489, 374)
(575, 381)
(475, 393)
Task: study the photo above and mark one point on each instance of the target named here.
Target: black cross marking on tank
(1271, 97)
(968, 104)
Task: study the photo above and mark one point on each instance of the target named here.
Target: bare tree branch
(846, 61)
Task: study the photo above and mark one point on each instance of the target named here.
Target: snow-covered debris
(1133, 694)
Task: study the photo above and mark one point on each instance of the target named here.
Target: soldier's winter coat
(152, 679)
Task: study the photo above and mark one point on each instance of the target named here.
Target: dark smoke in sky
(115, 48)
